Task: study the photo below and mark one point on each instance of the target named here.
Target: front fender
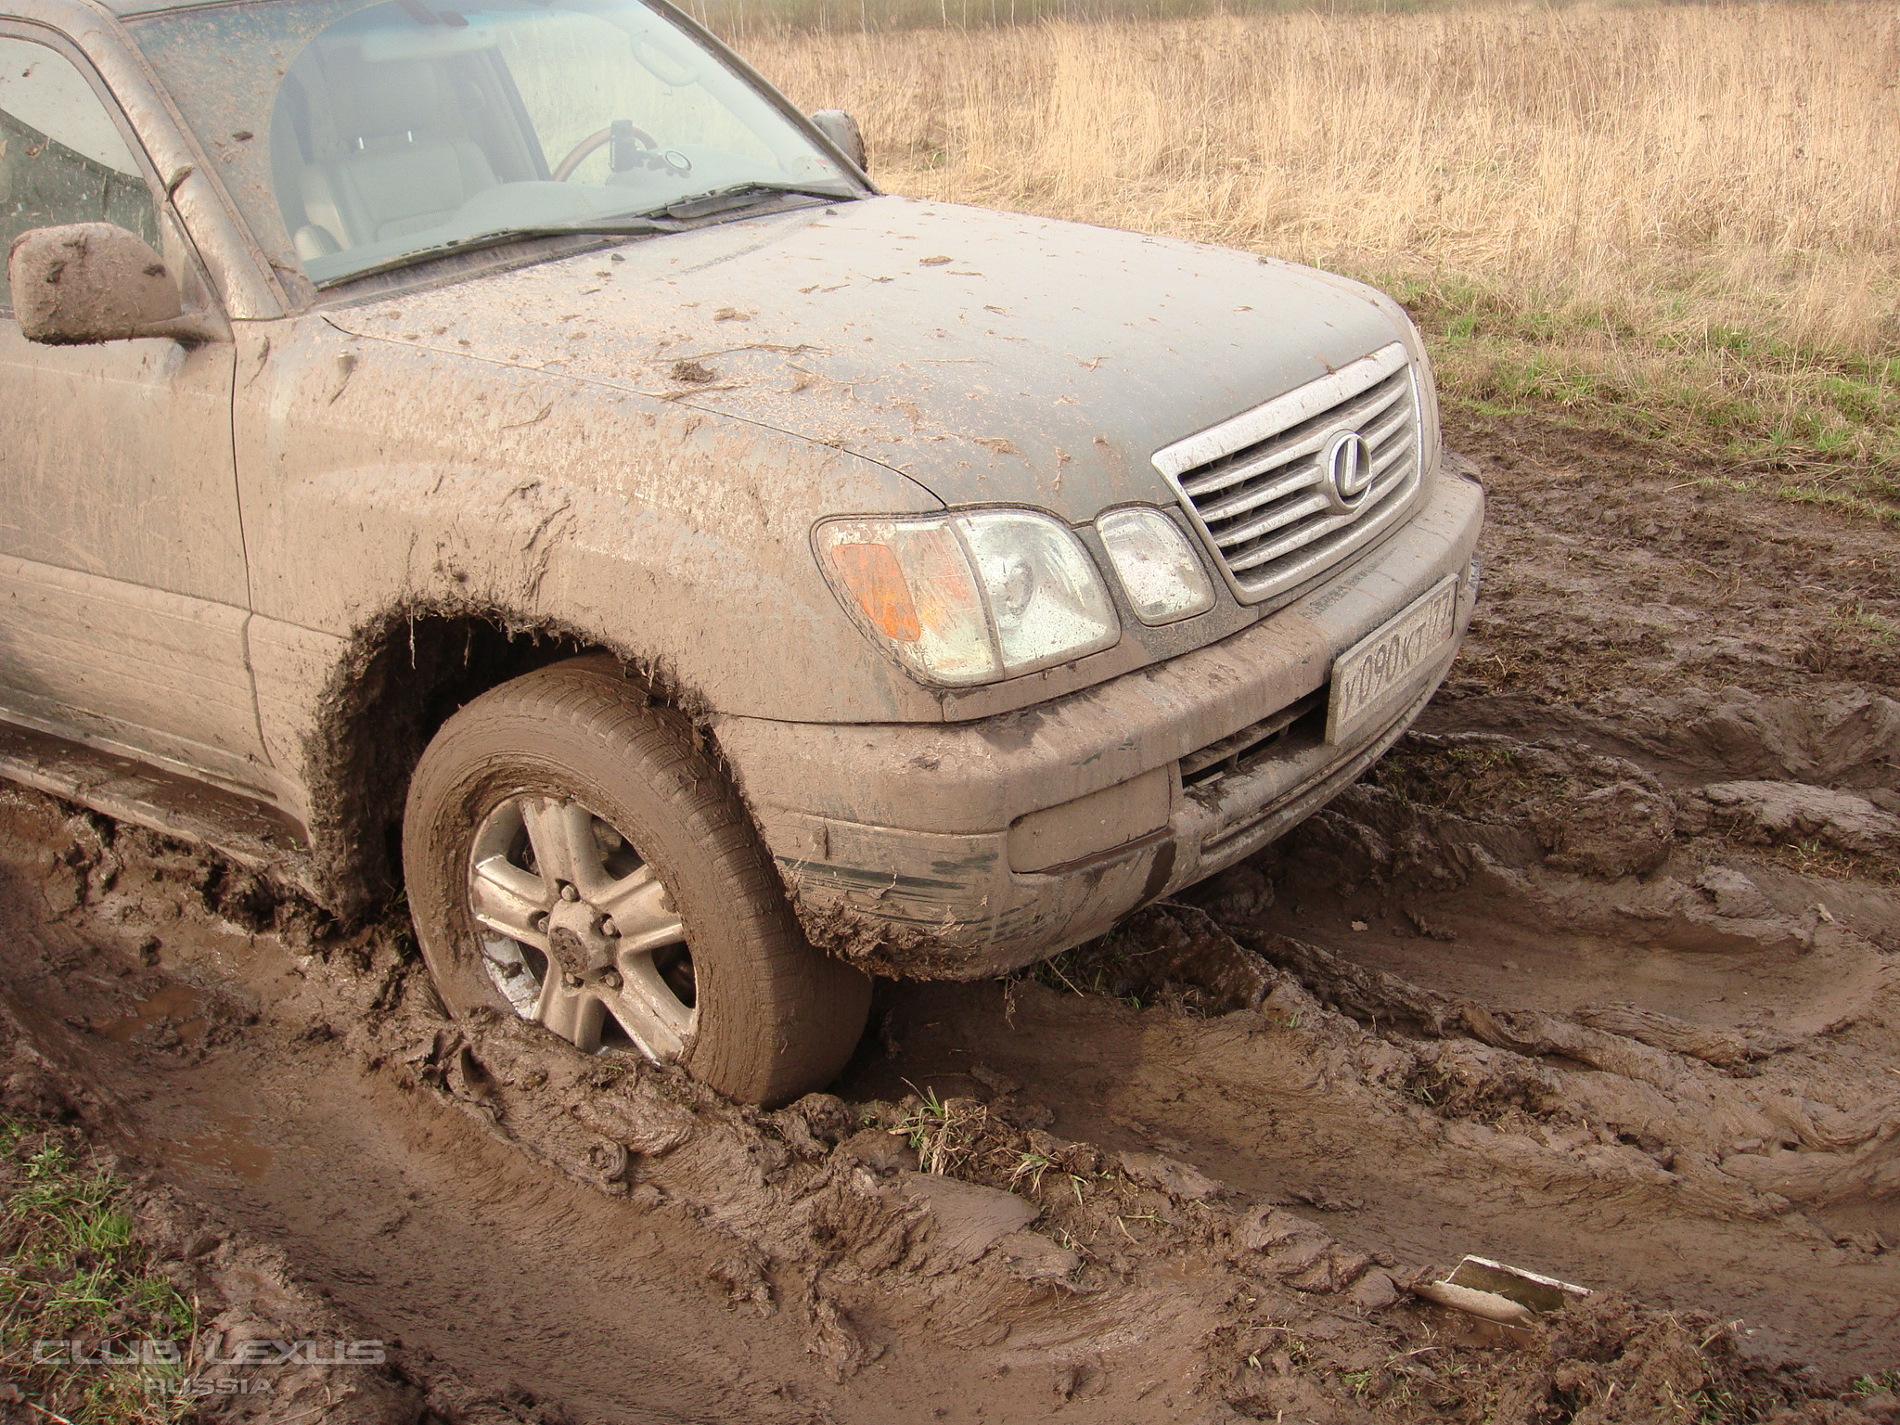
(378, 476)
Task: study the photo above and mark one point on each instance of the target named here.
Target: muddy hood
(987, 356)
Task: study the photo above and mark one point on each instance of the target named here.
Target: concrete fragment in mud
(1493, 1291)
(1533, 1290)
(1483, 1304)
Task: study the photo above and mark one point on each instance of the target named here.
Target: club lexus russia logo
(1348, 469)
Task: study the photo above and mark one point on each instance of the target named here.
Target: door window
(62, 158)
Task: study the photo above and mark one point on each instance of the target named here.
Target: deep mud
(1595, 975)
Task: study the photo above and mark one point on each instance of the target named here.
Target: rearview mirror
(844, 133)
(85, 283)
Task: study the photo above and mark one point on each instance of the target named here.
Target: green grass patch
(73, 1274)
(1794, 423)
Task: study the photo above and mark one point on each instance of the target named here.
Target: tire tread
(816, 1005)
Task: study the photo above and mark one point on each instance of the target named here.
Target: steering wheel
(632, 148)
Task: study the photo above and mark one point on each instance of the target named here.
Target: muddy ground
(1595, 975)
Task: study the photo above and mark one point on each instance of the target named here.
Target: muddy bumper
(962, 850)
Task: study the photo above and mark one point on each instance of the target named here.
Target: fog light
(1158, 567)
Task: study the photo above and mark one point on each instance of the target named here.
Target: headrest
(427, 42)
(374, 101)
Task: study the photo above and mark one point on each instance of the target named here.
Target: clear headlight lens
(1159, 570)
(973, 596)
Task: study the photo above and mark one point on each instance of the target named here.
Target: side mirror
(85, 283)
(844, 133)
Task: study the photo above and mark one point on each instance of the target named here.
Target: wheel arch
(402, 675)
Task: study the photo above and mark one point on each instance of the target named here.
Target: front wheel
(574, 858)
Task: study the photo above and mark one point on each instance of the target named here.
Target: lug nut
(568, 893)
(572, 980)
(610, 979)
(608, 928)
(539, 920)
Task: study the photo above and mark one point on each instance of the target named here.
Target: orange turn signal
(876, 580)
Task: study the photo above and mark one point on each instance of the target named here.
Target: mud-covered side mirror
(843, 131)
(80, 284)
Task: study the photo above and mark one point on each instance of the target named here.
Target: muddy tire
(573, 857)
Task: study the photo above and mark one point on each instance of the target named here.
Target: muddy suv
(511, 454)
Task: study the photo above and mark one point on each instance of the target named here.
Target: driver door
(123, 597)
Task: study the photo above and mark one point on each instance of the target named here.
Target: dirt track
(1588, 977)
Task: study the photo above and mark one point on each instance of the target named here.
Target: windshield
(358, 138)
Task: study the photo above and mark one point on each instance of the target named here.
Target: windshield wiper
(644, 224)
(747, 195)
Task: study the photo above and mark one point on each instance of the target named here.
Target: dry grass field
(1676, 221)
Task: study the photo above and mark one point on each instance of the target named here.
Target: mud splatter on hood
(989, 356)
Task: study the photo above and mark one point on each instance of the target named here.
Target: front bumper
(903, 847)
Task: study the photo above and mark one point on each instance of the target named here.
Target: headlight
(1158, 568)
(973, 596)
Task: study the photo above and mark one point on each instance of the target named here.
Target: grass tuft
(72, 1272)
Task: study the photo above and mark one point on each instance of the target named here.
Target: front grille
(1260, 485)
(1243, 749)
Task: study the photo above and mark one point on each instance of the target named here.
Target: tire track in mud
(1296, 1124)
(429, 1234)
(447, 1187)
(1506, 997)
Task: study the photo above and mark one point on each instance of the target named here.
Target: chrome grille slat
(1382, 462)
(1274, 489)
(1382, 430)
(1226, 479)
(1267, 524)
(1298, 538)
(1306, 439)
(1258, 489)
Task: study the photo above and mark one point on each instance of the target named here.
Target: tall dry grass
(1716, 180)
(738, 18)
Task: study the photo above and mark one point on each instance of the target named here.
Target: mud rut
(1596, 975)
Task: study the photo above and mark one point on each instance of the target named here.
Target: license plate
(1384, 660)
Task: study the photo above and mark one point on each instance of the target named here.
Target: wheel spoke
(565, 848)
(619, 922)
(641, 911)
(575, 1015)
(648, 1009)
(506, 898)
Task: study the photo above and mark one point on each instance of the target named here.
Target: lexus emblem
(1348, 469)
